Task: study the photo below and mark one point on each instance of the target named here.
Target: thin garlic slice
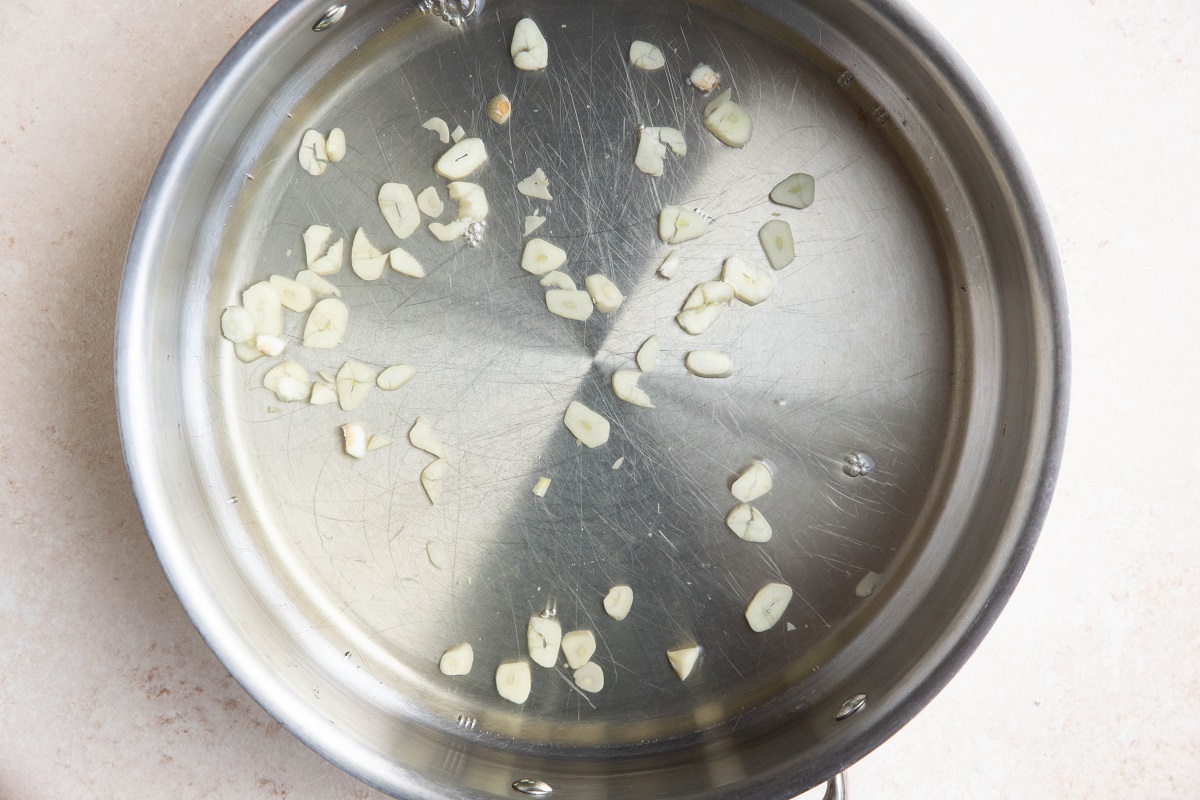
(322, 394)
(644, 55)
(588, 427)
(704, 78)
(797, 191)
(619, 599)
(683, 660)
(435, 551)
(576, 305)
(269, 345)
(289, 382)
(316, 237)
(317, 284)
(540, 257)
(748, 523)
(751, 284)
(533, 222)
(422, 437)
(617, 464)
(457, 134)
(432, 478)
(589, 677)
(399, 208)
(753, 483)
(461, 160)
(313, 156)
(728, 121)
(542, 486)
(450, 231)
(394, 377)
(604, 292)
(624, 384)
(262, 303)
(652, 149)
(578, 647)
(529, 50)
(670, 265)
(430, 202)
(331, 262)
(767, 606)
(704, 305)
(457, 660)
(354, 382)
(558, 280)
(405, 264)
(246, 352)
(543, 636)
(869, 583)
(647, 354)
(536, 186)
(335, 145)
(778, 243)
(677, 224)
(366, 259)
(293, 295)
(238, 326)
(355, 439)
(708, 364)
(438, 126)
(471, 199)
(513, 681)
(499, 109)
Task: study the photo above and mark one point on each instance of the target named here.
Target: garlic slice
(238, 326)
(331, 262)
(624, 384)
(588, 427)
(604, 292)
(644, 55)
(728, 121)
(578, 647)
(748, 523)
(449, 232)
(394, 377)
(354, 381)
(261, 302)
(430, 202)
(405, 264)
(322, 394)
(499, 109)
(704, 305)
(436, 553)
(670, 265)
(457, 134)
(288, 380)
(399, 207)
(540, 257)
(313, 156)
(589, 677)
(438, 126)
(355, 439)
(677, 224)
(422, 437)
(683, 660)
(652, 148)
(365, 258)
(755, 481)
(543, 636)
(617, 464)
(316, 237)
(529, 50)
(335, 145)
(533, 222)
(269, 345)
(767, 606)
(377, 441)
(777, 243)
(708, 364)
(797, 190)
(536, 186)
(751, 284)
(457, 660)
(618, 601)
(868, 584)
(461, 160)
(513, 681)
(292, 295)
(432, 477)
(471, 199)
(247, 351)
(576, 305)
(541, 487)
(558, 280)
(316, 284)
(704, 78)
(647, 354)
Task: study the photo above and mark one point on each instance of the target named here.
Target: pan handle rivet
(332, 16)
(533, 788)
(851, 706)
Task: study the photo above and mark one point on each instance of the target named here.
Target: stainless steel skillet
(922, 325)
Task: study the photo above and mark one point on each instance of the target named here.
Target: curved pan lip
(242, 661)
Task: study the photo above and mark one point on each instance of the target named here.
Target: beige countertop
(1089, 684)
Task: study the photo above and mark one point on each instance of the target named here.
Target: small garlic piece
(499, 109)
(269, 345)
(777, 243)
(647, 354)
(533, 222)
(670, 265)
(536, 186)
(316, 237)
(238, 326)
(677, 224)
(543, 635)
(331, 262)
(619, 600)
(513, 681)
(317, 284)
(728, 121)
(588, 427)
(438, 126)
(322, 394)
(753, 483)
(751, 284)
(246, 352)
(868, 584)
(354, 381)
(376, 441)
(576, 305)
(652, 148)
(421, 436)
(558, 280)
(541, 487)
(540, 257)
(293, 295)
(457, 134)
(399, 208)
(355, 438)
(589, 677)
(704, 305)
(394, 377)
(430, 202)
(365, 258)
(604, 292)
(449, 232)
(529, 50)
(624, 384)
(748, 523)
(436, 553)
(578, 648)
(313, 156)
(405, 264)
(617, 464)
(471, 199)
(644, 55)
(326, 324)
(432, 477)
(289, 382)
(768, 606)
(461, 160)
(335, 145)
(797, 190)
(458, 660)
(708, 364)
(683, 660)
(704, 78)
(261, 302)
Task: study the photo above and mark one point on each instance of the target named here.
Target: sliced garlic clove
(604, 292)
(316, 284)
(541, 487)
(652, 148)
(755, 481)
(589, 677)
(748, 523)
(399, 208)
(578, 648)
(867, 586)
(777, 243)
(619, 600)
(499, 109)
(405, 264)
(432, 478)
(365, 259)
(677, 224)
(529, 50)
(326, 324)
(471, 199)
(271, 346)
(558, 280)
(513, 681)
(261, 302)
(647, 354)
(586, 425)
(238, 326)
(532, 223)
(322, 394)
(457, 134)
(751, 284)
(544, 636)
(536, 186)
(457, 660)
(422, 437)
(728, 121)
(289, 382)
(576, 305)
(708, 364)
(355, 439)
(461, 160)
(797, 191)
(644, 55)
(704, 78)
(683, 660)
(624, 384)
(438, 126)
(326, 376)
(335, 145)
(436, 553)
(375, 442)
(430, 202)
(313, 156)
(449, 232)
(670, 265)
(246, 352)
(354, 382)
(293, 295)
(540, 257)
(316, 237)
(394, 377)
(704, 305)
(331, 262)
(767, 606)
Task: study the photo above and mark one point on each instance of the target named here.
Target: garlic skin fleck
(751, 284)
(317, 284)
(728, 121)
(541, 487)
(405, 264)
(471, 199)
(704, 305)
(499, 109)
(768, 606)
(461, 160)
(394, 377)
(683, 660)
(513, 681)
(365, 258)
(438, 126)
(326, 324)
(536, 186)
(644, 55)
(576, 305)
(430, 202)
(618, 601)
(315, 237)
(331, 262)
(529, 50)
(457, 134)
(652, 149)
(624, 384)
(604, 292)
(399, 207)
(543, 636)
(421, 436)
(261, 302)
(355, 439)
(432, 477)
(335, 145)
(589, 677)
(354, 382)
(237, 325)
(533, 222)
(677, 225)
(435, 551)
(670, 265)
(269, 345)
(647, 354)
(704, 78)
(748, 523)
(558, 280)
(289, 382)
(586, 425)
(708, 364)
(293, 295)
(457, 660)
(797, 190)
(540, 257)
(778, 243)
(578, 647)
(314, 158)
(755, 481)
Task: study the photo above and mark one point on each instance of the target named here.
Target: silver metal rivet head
(332, 16)
(851, 706)
(533, 788)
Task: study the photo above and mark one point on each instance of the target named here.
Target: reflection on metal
(332, 16)
(851, 706)
(533, 788)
